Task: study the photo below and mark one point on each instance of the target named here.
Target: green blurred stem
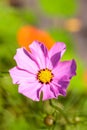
(60, 110)
(3, 73)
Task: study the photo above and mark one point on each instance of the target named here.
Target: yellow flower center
(45, 76)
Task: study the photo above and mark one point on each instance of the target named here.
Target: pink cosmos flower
(40, 70)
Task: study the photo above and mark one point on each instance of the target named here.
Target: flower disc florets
(45, 76)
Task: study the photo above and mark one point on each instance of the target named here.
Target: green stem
(60, 110)
(3, 73)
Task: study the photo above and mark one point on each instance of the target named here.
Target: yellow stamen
(45, 76)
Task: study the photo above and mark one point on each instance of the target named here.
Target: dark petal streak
(55, 58)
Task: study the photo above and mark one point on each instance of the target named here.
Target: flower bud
(49, 120)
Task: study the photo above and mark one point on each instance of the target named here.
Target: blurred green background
(64, 23)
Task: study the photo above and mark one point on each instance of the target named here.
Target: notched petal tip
(56, 52)
(61, 47)
(38, 45)
(19, 50)
(40, 52)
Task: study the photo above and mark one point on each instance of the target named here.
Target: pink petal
(26, 61)
(64, 83)
(66, 68)
(56, 52)
(61, 85)
(47, 93)
(19, 75)
(55, 89)
(40, 52)
(30, 90)
(58, 47)
(54, 59)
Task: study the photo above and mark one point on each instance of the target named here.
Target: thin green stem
(59, 110)
(3, 73)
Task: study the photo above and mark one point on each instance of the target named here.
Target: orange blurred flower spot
(85, 77)
(28, 34)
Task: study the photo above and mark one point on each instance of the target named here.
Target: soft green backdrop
(16, 111)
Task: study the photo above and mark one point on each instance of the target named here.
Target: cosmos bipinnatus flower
(41, 71)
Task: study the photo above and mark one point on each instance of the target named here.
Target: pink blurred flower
(40, 70)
